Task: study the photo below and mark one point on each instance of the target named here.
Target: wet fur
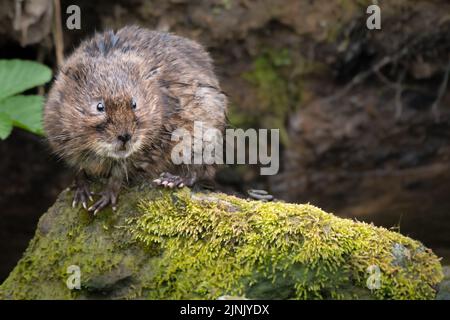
(172, 80)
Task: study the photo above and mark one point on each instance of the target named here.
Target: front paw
(107, 197)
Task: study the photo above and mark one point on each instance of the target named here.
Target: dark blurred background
(363, 114)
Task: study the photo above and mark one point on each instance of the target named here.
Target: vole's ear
(77, 73)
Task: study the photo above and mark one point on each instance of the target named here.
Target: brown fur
(170, 78)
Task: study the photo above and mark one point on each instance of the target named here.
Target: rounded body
(118, 98)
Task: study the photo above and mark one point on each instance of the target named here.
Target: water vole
(116, 101)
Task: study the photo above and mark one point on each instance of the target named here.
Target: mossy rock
(181, 244)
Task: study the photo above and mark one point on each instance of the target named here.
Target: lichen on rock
(182, 244)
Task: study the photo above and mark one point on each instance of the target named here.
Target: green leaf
(5, 125)
(17, 76)
(24, 111)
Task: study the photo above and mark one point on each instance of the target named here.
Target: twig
(384, 79)
(359, 78)
(406, 87)
(58, 33)
(40, 58)
(17, 15)
(398, 87)
(362, 76)
(398, 95)
(440, 95)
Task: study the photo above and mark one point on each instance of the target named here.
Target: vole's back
(180, 57)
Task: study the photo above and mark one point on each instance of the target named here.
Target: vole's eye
(100, 107)
(133, 104)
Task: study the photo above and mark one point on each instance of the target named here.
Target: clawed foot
(106, 197)
(82, 195)
(172, 181)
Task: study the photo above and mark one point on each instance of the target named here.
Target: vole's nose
(124, 137)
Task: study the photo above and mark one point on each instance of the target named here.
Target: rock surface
(444, 286)
(182, 244)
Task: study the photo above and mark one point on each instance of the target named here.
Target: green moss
(266, 78)
(169, 245)
(256, 246)
(65, 237)
(273, 95)
(238, 118)
(276, 76)
(219, 7)
(227, 4)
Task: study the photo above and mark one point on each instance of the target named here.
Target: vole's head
(106, 106)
